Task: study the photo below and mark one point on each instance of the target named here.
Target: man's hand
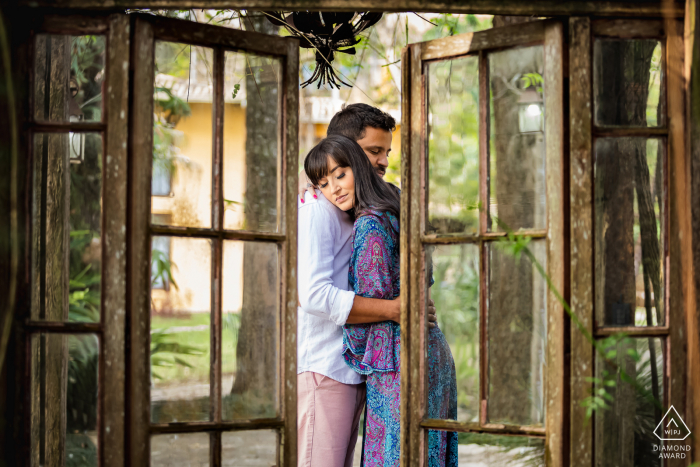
(305, 185)
(432, 315)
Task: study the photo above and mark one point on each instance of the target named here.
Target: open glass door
(213, 236)
(483, 162)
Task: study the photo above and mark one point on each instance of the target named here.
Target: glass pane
(627, 82)
(517, 335)
(68, 75)
(180, 329)
(250, 335)
(486, 450)
(64, 379)
(624, 430)
(182, 134)
(252, 141)
(629, 231)
(67, 220)
(249, 448)
(517, 157)
(453, 146)
(190, 450)
(455, 270)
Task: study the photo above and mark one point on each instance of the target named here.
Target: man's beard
(380, 171)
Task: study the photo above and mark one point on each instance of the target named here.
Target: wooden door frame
(148, 29)
(549, 33)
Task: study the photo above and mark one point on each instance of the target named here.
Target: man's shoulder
(321, 207)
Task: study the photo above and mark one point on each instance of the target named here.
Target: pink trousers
(328, 419)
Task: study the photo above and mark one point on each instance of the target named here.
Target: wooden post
(692, 74)
(50, 274)
(581, 183)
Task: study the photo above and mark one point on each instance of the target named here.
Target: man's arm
(371, 310)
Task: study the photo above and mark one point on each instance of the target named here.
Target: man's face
(377, 145)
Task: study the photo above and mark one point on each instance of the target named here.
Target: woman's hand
(305, 185)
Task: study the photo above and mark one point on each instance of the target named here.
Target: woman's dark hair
(371, 192)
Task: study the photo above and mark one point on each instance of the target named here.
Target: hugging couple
(349, 339)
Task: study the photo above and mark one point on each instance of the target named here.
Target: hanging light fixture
(327, 33)
(530, 111)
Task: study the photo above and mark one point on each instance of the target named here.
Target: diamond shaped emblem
(672, 427)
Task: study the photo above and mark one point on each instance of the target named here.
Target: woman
(339, 167)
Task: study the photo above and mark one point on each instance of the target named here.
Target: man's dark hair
(352, 120)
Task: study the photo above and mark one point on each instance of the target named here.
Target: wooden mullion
(139, 261)
(483, 333)
(634, 132)
(198, 232)
(206, 35)
(556, 383)
(201, 427)
(484, 227)
(632, 331)
(628, 28)
(114, 246)
(472, 427)
(582, 264)
(215, 449)
(63, 327)
(217, 213)
(286, 371)
(64, 127)
(73, 24)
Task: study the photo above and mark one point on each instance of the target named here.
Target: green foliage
(167, 352)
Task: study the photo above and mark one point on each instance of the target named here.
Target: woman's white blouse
(323, 259)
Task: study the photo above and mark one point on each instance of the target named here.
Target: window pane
(453, 146)
(250, 335)
(67, 220)
(455, 270)
(629, 231)
(624, 431)
(252, 142)
(517, 335)
(190, 450)
(486, 450)
(182, 134)
(68, 75)
(180, 330)
(249, 448)
(64, 399)
(627, 79)
(517, 157)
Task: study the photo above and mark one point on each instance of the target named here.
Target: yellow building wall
(190, 205)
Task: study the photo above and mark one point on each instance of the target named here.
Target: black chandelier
(327, 33)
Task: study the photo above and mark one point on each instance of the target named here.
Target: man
(330, 394)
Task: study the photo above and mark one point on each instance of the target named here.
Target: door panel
(483, 159)
(213, 322)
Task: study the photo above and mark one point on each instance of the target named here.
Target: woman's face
(338, 186)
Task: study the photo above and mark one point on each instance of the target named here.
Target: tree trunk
(256, 351)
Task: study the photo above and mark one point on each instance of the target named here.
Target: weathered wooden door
(213, 229)
(483, 161)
